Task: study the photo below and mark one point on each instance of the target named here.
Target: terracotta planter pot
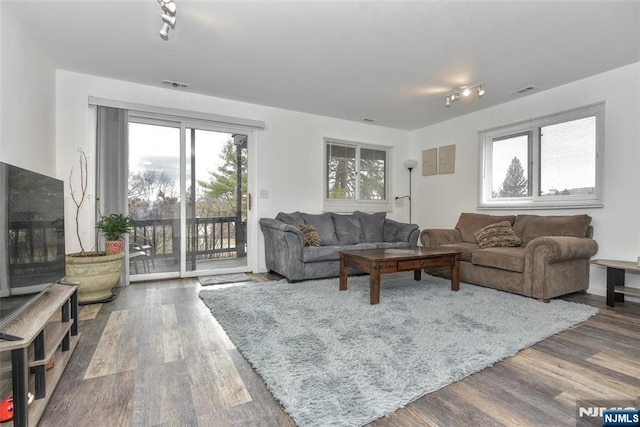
(96, 275)
(113, 246)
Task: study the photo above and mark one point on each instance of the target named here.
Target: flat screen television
(31, 238)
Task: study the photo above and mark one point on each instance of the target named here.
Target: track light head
(164, 32)
(480, 91)
(167, 19)
(168, 5)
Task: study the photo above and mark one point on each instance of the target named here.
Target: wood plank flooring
(156, 357)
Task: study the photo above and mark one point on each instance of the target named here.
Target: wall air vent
(522, 90)
(176, 84)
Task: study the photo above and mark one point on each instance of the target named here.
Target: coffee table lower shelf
(377, 262)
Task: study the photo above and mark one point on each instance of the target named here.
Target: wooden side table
(616, 271)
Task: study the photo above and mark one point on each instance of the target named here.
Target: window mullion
(358, 174)
(534, 165)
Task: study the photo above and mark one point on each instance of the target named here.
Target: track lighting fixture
(168, 17)
(463, 92)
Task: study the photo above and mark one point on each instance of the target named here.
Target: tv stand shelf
(47, 328)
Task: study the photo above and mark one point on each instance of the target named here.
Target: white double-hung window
(356, 176)
(555, 161)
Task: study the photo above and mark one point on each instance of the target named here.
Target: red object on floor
(6, 409)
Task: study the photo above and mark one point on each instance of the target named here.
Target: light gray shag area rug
(332, 359)
(224, 278)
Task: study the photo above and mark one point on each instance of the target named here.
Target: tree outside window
(355, 175)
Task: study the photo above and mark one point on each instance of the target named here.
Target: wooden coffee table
(377, 262)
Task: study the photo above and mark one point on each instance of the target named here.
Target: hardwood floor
(156, 357)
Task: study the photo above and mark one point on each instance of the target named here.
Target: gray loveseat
(551, 257)
(287, 254)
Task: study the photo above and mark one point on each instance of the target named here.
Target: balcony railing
(39, 245)
(207, 238)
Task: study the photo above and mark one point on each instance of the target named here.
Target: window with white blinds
(555, 161)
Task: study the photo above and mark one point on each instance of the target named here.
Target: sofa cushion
(466, 248)
(372, 225)
(320, 253)
(348, 229)
(324, 224)
(311, 236)
(395, 231)
(528, 227)
(294, 218)
(469, 223)
(511, 259)
(330, 253)
(499, 234)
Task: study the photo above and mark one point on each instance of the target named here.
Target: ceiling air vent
(175, 84)
(522, 90)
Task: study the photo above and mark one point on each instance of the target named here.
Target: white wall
(289, 149)
(27, 98)
(439, 200)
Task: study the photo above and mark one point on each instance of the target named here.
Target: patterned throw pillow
(311, 236)
(495, 235)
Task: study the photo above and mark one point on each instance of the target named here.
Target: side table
(616, 271)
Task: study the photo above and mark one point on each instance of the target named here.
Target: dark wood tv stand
(48, 327)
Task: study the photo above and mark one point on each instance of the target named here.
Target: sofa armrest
(434, 237)
(279, 226)
(281, 241)
(561, 248)
(394, 231)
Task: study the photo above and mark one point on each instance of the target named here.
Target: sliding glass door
(188, 194)
(216, 200)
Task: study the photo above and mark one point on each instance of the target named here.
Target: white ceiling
(392, 61)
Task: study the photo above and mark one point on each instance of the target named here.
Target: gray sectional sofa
(287, 254)
(549, 258)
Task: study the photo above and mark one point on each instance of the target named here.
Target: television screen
(32, 246)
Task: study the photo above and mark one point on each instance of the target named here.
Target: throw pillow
(497, 235)
(311, 236)
(468, 223)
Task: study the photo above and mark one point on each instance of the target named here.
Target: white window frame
(351, 205)
(532, 126)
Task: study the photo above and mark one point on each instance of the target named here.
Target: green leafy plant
(115, 225)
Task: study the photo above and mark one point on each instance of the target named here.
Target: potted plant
(114, 227)
(95, 272)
